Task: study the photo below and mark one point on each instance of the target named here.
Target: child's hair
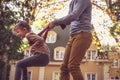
(22, 24)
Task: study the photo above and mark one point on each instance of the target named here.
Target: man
(79, 19)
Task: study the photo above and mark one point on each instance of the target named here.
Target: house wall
(34, 73)
(92, 67)
(86, 67)
(12, 72)
(49, 71)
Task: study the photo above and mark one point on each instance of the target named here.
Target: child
(38, 48)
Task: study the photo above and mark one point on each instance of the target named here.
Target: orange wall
(49, 71)
(85, 67)
(93, 67)
(35, 72)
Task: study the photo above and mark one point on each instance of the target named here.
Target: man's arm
(79, 7)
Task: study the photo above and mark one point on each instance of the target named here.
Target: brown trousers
(75, 51)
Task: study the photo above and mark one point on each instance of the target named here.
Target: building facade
(95, 65)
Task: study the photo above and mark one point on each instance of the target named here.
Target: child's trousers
(38, 59)
(74, 53)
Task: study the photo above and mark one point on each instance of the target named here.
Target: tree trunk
(3, 71)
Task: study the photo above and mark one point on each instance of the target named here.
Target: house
(95, 65)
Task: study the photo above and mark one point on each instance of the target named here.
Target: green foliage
(115, 9)
(8, 41)
(115, 30)
(23, 46)
(11, 11)
(1, 64)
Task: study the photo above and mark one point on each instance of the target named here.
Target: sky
(101, 22)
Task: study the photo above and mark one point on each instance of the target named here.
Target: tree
(8, 41)
(115, 30)
(11, 11)
(112, 8)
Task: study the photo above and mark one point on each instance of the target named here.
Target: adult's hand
(51, 25)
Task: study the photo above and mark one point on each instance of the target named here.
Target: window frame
(92, 56)
(53, 75)
(114, 64)
(30, 76)
(51, 37)
(61, 51)
(91, 73)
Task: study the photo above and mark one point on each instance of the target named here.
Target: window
(115, 78)
(91, 76)
(29, 75)
(27, 52)
(59, 53)
(52, 37)
(91, 55)
(56, 75)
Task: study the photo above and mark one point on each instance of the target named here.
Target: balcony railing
(103, 60)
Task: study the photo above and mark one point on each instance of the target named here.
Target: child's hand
(31, 50)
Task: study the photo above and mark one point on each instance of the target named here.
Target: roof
(62, 38)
